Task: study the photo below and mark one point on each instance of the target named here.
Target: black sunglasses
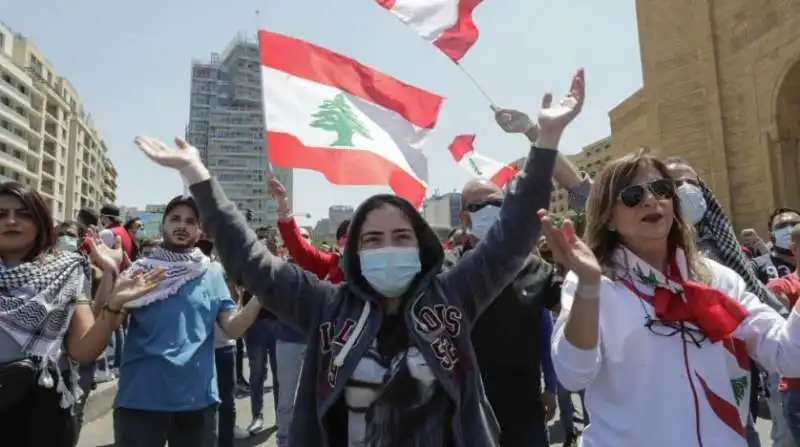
(634, 194)
(475, 207)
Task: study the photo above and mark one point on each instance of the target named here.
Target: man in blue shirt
(168, 386)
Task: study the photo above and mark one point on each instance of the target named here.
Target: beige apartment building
(47, 139)
(590, 160)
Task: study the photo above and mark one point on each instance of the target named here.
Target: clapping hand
(569, 250)
(132, 286)
(104, 257)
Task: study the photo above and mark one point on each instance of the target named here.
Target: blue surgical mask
(390, 270)
(783, 237)
(67, 243)
(483, 219)
(693, 204)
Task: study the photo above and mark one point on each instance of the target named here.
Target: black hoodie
(343, 320)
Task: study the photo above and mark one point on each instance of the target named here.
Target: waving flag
(331, 114)
(479, 166)
(447, 24)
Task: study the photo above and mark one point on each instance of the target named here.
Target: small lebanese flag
(331, 114)
(479, 166)
(447, 24)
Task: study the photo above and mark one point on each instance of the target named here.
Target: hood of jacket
(431, 251)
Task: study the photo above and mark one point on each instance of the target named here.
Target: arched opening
(787, 147)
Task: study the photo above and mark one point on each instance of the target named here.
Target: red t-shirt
(788, 286)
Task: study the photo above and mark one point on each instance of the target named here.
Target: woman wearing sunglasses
(656, 334)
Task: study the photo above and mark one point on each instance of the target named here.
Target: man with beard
(167, 386)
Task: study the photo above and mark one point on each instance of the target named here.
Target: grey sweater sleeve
(293, 294)
(479, 277)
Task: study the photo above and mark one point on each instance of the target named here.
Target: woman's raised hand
(569, 250)
(554, 118)
(131, 286)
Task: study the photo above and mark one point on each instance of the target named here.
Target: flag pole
(475, 82)
(270, 172)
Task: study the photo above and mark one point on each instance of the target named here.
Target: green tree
(336, 115)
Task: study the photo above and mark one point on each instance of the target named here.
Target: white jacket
(649, 390)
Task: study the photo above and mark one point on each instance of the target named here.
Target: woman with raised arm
(657, 334)
(47, 324)
(389, 359)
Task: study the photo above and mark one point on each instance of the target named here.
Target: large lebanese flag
(463, 151)
(331, 114)
(447, 24)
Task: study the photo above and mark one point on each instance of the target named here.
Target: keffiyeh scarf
(715, 228)
(179, 269)
(37, 300)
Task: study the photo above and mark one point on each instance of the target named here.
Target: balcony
(12, 115)
(13, 92)
(14, 163)
(13, 139)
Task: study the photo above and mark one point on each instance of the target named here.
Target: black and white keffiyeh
(716, 229)
(37, 300)
(179, 268)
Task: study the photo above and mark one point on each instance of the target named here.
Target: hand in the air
(569, 250)
(103, 256)
(512, 121)
(278, 193)
(132, 286)
(181, 158)
(554, 118)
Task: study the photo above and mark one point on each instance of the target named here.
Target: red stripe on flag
(724, 410)
(461, 146)
(457, 40)
(344, 166)
(503, 176)
(306, 60)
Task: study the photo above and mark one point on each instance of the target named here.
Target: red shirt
(788, 286)
(324, 265)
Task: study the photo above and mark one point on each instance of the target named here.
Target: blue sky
(130, 62)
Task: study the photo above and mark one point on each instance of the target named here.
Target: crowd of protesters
(667, 324)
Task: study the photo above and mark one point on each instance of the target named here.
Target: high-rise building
(338, 214)
(442, 209)
(590, 160)
(47, 139)
(226, 124)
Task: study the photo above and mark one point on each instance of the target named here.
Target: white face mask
(783, 238)
(483, 219)
(693, 204)
(390, 270)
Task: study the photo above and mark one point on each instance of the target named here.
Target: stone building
(722, 90)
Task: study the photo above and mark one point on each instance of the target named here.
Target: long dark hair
(34, 203)
(428, 241)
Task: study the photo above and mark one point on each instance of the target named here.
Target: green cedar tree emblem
(739, 386)
(475, 167)
(336, 115)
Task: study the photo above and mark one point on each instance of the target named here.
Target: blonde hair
(604, 195)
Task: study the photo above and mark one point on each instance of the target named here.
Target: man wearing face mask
(510, 338)
(780, 261)
(716, 240)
